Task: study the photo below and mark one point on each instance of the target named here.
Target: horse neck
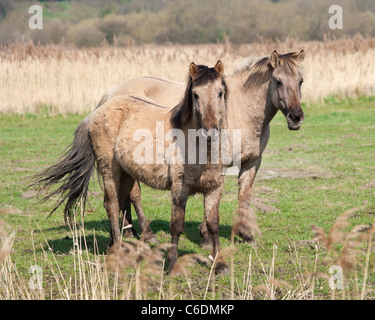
(193, 124)
(252, 102)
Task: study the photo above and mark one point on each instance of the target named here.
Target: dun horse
(109, 137)
(258, 91)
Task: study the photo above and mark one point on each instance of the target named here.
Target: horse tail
(72, 172)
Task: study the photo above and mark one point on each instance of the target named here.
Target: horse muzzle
(211, 134)
(295, 119)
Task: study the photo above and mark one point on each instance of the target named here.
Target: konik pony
(110, 137)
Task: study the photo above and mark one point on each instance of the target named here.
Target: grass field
(312, 176)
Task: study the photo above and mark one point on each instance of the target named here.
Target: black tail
(72, 172)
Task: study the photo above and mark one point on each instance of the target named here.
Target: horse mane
(183, 112)
(261, 70)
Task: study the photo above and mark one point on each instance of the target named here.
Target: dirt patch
(29, 194)
(267, 174)
(261, 203)
(95, 194)
(369, 185)
(9, 209)
(263, 190)
(20, 169)
(327, 188)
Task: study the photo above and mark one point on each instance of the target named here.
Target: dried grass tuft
(183, 263)
(6, 241)
(335, 233)
(352, 253)
(349, 253)
(245, 222)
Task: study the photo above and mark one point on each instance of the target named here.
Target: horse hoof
(247, 238)
(222, 269)
(152, 239)
(129, 235)
(205, 244)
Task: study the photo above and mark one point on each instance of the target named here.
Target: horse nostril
(294, 118)
(217, 132)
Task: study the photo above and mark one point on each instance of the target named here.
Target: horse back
(161, 91)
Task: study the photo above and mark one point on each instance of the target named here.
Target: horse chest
(201, 179)
(253, 145)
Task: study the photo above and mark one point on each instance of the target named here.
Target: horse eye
(278, 83)
(195, 95)
(221, 94)
(300, 83)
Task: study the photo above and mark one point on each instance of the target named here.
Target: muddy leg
(103, 129)
(206, 238)
(179, 199)
(111, 202)
(211, 212)
(135, 198)
(126, 183)
(245, 184)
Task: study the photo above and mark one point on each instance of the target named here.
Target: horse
(121, 137)
(258, 91)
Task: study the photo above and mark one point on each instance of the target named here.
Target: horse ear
(193, 69)
(219, 67)
(301, 55)
(275, 59)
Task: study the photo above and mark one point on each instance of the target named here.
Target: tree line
(126, 22)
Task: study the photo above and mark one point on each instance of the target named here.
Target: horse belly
(148, 172)
(155, 176)
(202, 179)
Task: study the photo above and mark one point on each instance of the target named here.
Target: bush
(53, 32)
(113, 25)
(85, 34)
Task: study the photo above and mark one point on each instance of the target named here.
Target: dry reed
(351, 253)
(133, 269)
(65, 79)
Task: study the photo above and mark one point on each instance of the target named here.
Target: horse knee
(106, 203)
(135, 195)
(177, 227)
(213, 225)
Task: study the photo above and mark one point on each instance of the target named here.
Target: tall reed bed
(64, 79)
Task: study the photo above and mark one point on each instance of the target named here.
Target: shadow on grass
(98, 241)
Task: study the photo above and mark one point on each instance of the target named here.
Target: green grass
(314, 175)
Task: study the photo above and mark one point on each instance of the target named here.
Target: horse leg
(126, 183)
(126, 220)
(179, 199)
(206, 238)
(212, 218)
(103, 130)
(245, 184)
(111, 181)
(135, 198)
